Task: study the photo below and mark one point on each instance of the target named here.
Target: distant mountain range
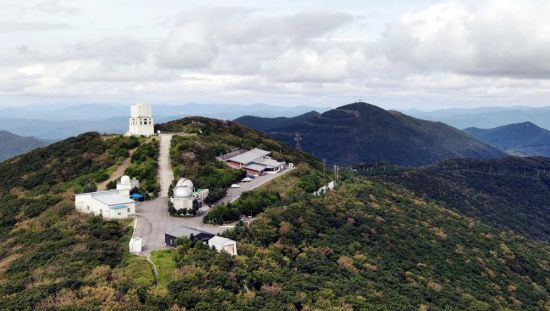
(361, 132)
(58, 122)
(522, 139)
(486, 117)
(12, 145)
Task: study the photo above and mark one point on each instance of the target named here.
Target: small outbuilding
(222, 244)
(135, 245)
(171, 236)
(219, 243)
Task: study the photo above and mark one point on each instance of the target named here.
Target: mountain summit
(362, 132)
(526, 139)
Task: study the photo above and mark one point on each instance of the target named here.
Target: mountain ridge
(526, 138)
(361, 132)
(12, 144)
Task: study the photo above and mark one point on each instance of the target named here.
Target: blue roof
(136, 196)
(119, 206)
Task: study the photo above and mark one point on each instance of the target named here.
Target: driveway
(235, 193)
(153, 219)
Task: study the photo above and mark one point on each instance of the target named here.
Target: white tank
(125, 180)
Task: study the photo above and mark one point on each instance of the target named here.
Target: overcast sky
(404, 54)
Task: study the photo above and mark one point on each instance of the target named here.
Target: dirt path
(118, 172)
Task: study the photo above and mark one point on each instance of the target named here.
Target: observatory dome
(183, 192)
(184, 182)
(125, 180)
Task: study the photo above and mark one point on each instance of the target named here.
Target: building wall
(85, 203)
(141, 126)
(181, 203)
(250, 172)
(124, 213)
(234, 165)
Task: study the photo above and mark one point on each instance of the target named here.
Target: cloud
(489, 38)
(31, 26)
(240, 41)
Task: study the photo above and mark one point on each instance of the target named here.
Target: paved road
(153, 219)
(235, 193)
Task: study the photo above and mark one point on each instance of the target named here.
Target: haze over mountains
(12, 145)
(486, 117)
(360, 133)
(522, 139)
(58, 121)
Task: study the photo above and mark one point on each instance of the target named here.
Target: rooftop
(249, 156)
(268, 162)
(218, 240)
(111, 198)
(183, 231)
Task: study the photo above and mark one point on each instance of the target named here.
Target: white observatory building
(141, 121)
(183, 194)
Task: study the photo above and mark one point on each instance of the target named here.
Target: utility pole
(324, 165)
(298, 140)
(336, 172)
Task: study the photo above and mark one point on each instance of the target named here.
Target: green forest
(370, 244)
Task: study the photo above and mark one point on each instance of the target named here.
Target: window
(128, 210)
(119, 214)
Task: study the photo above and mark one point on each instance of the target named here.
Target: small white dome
(183, 192)
(125, 180)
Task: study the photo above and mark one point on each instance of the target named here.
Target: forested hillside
(369, 246)
(12, 145)
(46, 247)
(523, 139)
(511, 193)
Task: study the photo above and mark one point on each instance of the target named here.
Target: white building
(125, 185)
(222, 244)
(183, 194)
(256, 162)
(141, 121)
(110, 204)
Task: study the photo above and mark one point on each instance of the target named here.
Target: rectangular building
(256, 162)
(109, 204)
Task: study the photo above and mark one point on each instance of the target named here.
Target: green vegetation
(194, 155)
(250, 203)
(144, 167)
(165, 262)
(366, 246)
(292, 187)
(47, 249)
(511, 193)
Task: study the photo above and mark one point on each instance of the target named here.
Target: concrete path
(118, 172)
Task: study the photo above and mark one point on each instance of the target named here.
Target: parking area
(235, 193)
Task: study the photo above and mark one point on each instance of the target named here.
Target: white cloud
(495, 38)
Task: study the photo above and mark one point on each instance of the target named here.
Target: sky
(421, 54)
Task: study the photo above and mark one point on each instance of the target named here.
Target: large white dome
(184, 182)
(183, 192)
(125, 180)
